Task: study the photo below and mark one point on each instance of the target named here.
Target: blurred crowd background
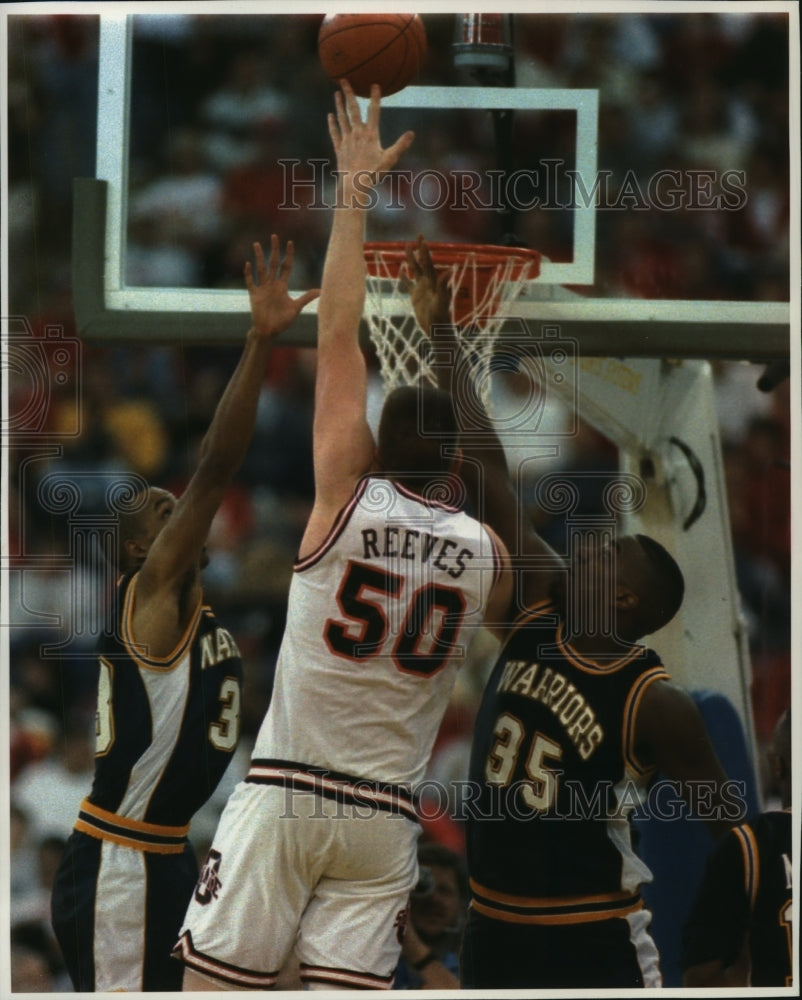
(217, 103)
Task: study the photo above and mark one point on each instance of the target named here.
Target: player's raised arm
(484, 469)
(670, 734)
(343, 443)
(169, 575)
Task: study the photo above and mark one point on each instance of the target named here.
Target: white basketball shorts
(290, 868)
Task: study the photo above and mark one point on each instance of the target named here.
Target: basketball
(364, 49)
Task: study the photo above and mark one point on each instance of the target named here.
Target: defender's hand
(429, 291)
(272, 308)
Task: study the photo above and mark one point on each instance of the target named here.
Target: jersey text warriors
(554, 775)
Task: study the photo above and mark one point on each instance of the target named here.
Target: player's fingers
(425, 258)
(412, 261)
(392, 153)
(334, 132)
(342, 117)
(249, 276)
(374, 106)
(351, 104)
(260, 262)
(275, 257)
(289, 256)
(306, 298)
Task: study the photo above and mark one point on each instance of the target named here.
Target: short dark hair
(671, 591)
(416, 420)
(433, 853)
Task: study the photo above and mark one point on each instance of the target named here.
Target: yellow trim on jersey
(751, 858)
(515, 900)
(564, 918)
(134, 649)
(528, 615)
(546, 909)
(630, 714)
(136, 845)
(583, 663)
(589, 666)
(134, 824)
(153, 838)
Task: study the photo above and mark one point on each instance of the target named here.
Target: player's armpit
(671, 735)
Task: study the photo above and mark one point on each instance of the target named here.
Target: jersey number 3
(426, 634)
(223, 734)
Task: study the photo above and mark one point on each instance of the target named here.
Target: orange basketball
(364, 49)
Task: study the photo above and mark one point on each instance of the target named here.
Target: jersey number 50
(426, 635)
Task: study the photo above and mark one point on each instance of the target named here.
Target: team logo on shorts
(209, 883)
(400, 924)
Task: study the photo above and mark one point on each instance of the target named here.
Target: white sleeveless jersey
(380, 617)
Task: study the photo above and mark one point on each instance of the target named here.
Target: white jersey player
(316, 849)
(387, 606)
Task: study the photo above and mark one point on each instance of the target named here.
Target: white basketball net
(399, 339)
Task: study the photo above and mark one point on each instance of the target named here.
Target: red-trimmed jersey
(555, 776)
(380, 617)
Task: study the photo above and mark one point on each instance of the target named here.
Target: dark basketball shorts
(615, 952)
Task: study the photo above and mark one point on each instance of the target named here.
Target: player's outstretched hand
(272, 308)
(360, 157)
(429, 289)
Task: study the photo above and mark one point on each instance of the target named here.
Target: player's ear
(134, 549)
(626, 599)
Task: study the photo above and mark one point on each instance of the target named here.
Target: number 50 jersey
(380, 617)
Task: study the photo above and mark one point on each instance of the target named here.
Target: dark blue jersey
(166, 730)
(557, 774)
(745, 894)
(166, 726)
